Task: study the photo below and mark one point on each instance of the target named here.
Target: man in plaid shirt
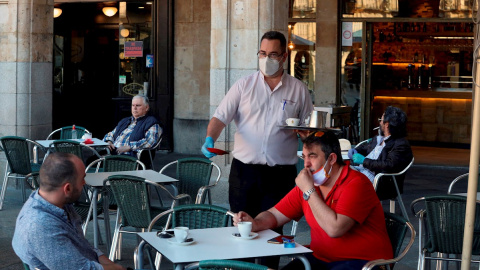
(134, 132)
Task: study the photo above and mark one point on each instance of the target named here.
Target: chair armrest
(175, 198)
(192, 266)
(378, 262)
(414, 203)
(454, 181)
(201, 190)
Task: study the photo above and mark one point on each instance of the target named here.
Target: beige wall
(326, 83)
(192, 59)
(26, 34)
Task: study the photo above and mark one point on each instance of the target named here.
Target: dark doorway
(94, 77)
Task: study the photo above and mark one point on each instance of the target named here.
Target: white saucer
(252, 235)
(174, 241)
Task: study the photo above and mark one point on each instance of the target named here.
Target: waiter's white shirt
(258, 112)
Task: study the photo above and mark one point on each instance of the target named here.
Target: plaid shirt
(151, 137)
(374, 156)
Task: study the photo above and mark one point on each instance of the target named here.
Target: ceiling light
(57, 12)
(109, 11)
(124, 32)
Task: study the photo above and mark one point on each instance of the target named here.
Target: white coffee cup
(244, 228)
(293, 121)
(87, 136)
(181, 234)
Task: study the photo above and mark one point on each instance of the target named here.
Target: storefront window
(409, 9)
(351, 74)
(135, 52)
(301, 41)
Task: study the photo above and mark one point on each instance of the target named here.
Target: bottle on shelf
(74, 133)
(420, 76)
(430, 75)
(411, 71)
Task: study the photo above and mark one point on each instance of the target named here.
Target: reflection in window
(302, 53)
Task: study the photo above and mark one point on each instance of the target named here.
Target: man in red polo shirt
(340, 206)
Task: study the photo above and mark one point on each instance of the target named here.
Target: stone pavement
(426, 177)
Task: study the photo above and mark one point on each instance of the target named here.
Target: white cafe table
(96, 142)
(95, 180)
(46, 144)
(220, 244)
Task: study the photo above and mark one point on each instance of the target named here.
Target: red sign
(133, 49)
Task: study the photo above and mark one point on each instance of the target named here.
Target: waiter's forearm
(214, 128)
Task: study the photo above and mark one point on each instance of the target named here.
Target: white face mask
(268, 66)
(321, 176)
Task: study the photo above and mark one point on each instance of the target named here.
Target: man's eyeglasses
(380, 120)
(274, 56)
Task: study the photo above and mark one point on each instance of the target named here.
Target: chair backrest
(17, 153)
(460, 178)
(67, 146)
(444, 217)
(225, 264)
(66, 132)
(386, 188)
(397, 228)
(115, 163)
(194, 216)
(192, 174)
(200, 216)
(131, 195)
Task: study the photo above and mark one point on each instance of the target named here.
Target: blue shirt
(48, 237)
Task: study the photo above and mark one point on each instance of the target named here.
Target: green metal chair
(443, 220)
(397, 228)
(72, 147)
(193, 176)
(113, 163)
(66, 132)
(32, 180)
(224, 264)
(193, 216)
(19, 161)
(134, 208)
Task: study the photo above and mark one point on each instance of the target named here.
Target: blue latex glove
(209, 143)
(358, 158)
(351, 152)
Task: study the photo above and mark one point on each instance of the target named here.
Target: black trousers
(256, 188)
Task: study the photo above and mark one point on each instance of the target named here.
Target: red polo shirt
(354, 196)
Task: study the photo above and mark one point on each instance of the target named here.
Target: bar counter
(433, 116)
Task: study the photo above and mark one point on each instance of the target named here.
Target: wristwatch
(306, 194)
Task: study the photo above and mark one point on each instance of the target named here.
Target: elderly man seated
(341, 207)
(135, 132)
(389, 151)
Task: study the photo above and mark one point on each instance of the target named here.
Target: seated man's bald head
(57, 169)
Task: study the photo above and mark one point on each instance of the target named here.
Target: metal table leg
(95, 219)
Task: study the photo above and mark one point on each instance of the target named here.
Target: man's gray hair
(144, 98)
